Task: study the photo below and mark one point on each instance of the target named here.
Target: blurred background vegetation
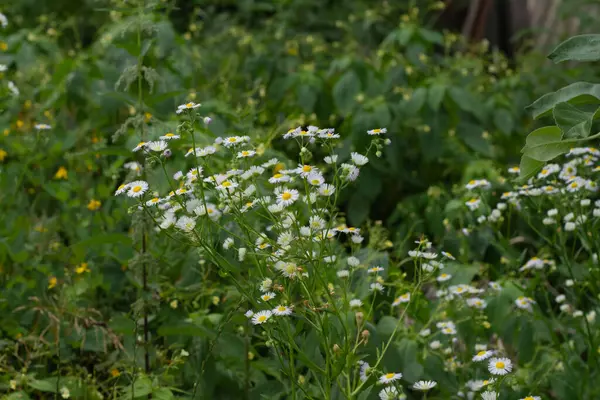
(448, 79)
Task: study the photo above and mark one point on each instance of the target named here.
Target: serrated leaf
(577, 48)
(576, 93)
(573, 122)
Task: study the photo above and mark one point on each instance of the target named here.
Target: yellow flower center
(189, 105)
(245, 153)
(459, 289)
(500, 365)
(390, 375)
(315, 182)
(262, 318)
(232, 140)
(136, 189)
(481, 353)
(226, 184)
(306, 168)
(471, 182)
(529, 398)
(277, 176)
(210, 210)
(286, 196)
(281, 308)
(377, 130)
(443, 275)
(544, 171)
(155, 200)
(169, 134)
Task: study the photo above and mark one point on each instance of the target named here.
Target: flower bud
(359, 318)
(167, 153)
(207, 120)
(365, 335)
(336, 349)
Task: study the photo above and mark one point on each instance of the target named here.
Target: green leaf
(473, 137)
(386, 325)
(576, 93)
(345, 91)
(162, 394)
(469, 103)
(577, 48)
(545, 143)
(573, 122)
(416, 101)
(109, 238)
(529, 167)
(504, 121)
(43, 386)
(436, 96)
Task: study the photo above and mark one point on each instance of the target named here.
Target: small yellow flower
(173, 304)
(27, 105)
(62, 173)
(147, 116)
(216, 300)
(115, 372)
(3, 154)
(3, 46)
(486, 325)
(52, 281)
(20, 124)
(6, 132)
(388, 243)
(94, 204)
(81, 268)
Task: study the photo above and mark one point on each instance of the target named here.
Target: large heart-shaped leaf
(577, 48)
(576, 93)
(529, 167)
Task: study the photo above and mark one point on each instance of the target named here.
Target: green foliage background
(456, 111)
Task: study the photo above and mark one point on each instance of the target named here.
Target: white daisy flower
(531, 398)
(42, 127)
(227, 186)
(279, 178)
(261, 317)
(13, 88)
(359, 159)
(305, 170)
(249, 314)
(483, 355)
(374, 270)
(353, 261)
(187, 106)
(388, 393)
(448, 255)
(364, 370)
(405, 298)
(157, 146)
(315, 179)
(473, 204)
(122, 189)
(489, 395)
(186, 224)
(344, 273)
(444, 277)
(232, 141)
(390, 377)
(268, 296)
(355, 303)
(285, 196)
(524, 303)
(499, 366)
(137, 188)
(139, 146)
(376, 287)
(169, 136)
(435, 344)
(424, 385)
(377, 131)
(227, 243)
(326, 189)
(332, 159)
(246, 153)
(282, 310)
(3, 20)
(152, 202)
(476, 302)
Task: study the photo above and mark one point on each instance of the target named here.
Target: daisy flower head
(377, 131)
(137, 188)
(376, 287)
(444, 277)
(261, 317)
(169, 136)
(157, 146)
(42, 127)
(315, 179)
(249, 314)
(286, 196)
(524, 303)
(489, 395)
(483, 355)
(473, 204)
(122, 189)
(232, 141)
(187, 107)
(358, 159)
(139, 146)
(355, 303)
(304, 170)
(405, 298)
(268, 296)
(246, 153)
(531, 398)
(375, 270)
(448, 255)
(331, 159)
(279, 178)
(424, 385)
(390, 377)
(499, 366)
(282, 310)
(328, 134)
(153, 201)
(476, 302)
(388, 393)
(326, 189)
(186, 224)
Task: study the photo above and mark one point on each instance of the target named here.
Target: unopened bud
(207, 120)
(167, 153)
(359, 318)
(365, 335)
(336, 349)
